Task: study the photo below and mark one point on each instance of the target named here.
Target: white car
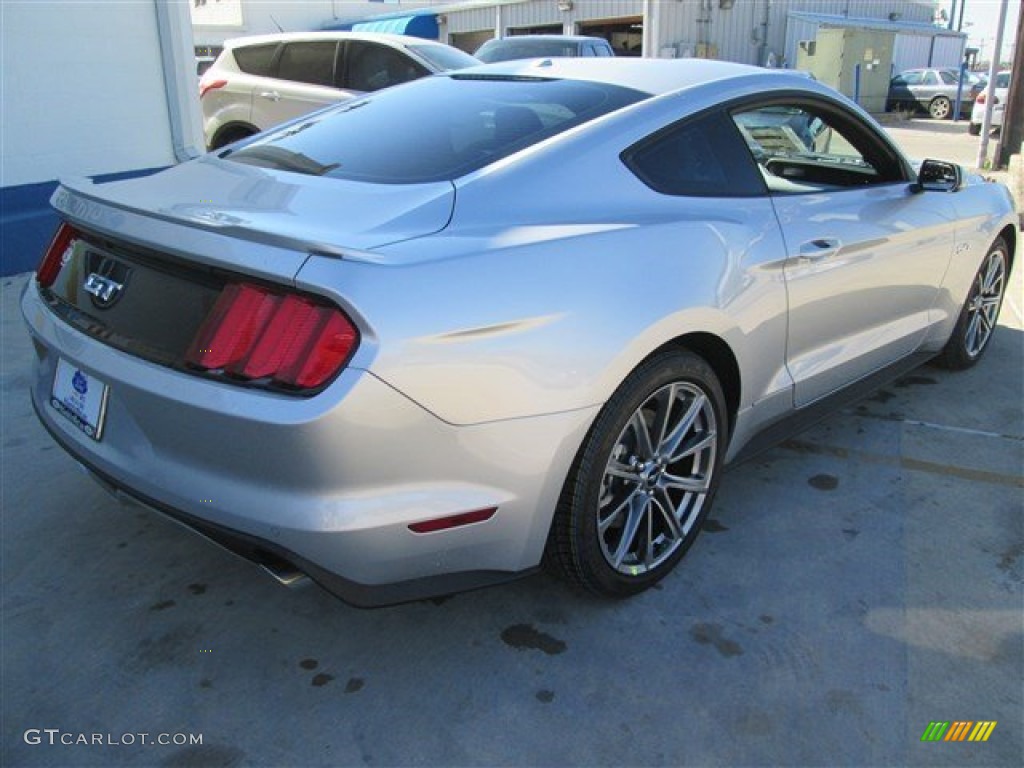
(1001, 94)
(258, 82)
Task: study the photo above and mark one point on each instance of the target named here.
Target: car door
(899, 88)
(865, 254)
(303, 81)
(928, 88)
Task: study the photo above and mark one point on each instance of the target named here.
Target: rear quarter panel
(559, 273)
(984, 210)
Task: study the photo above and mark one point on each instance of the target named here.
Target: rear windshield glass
(444, 57)
(437, 128)
(510, 49)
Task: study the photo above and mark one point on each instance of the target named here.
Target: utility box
(856, 62)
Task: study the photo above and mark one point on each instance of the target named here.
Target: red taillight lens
(981, 98)
(53, 259)
(252, 333)
(210, 85)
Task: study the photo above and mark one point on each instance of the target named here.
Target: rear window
(510, 49)
(443, 57)
(255, 59)
(437, 128)
(1003, 80)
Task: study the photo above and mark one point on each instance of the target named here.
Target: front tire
(940, 108)
(644, 479)
(977, 321)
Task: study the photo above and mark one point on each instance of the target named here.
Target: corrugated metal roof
(903, 27)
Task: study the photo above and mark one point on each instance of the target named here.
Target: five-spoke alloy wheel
(644, 478)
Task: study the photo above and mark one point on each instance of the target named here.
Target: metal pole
(990, 89)
(856, 83)
(959, 92)
(647, 43)
(1011, 135)
(960, 21)
(952, 15)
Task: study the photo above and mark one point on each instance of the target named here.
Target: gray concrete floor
(853, 585)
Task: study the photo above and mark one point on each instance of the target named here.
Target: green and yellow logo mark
(958, 730)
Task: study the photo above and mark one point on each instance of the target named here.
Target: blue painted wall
(27, 222)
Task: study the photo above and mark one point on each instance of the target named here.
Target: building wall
(83, 94)
(746, 33)
(78, 90)
(218, 20)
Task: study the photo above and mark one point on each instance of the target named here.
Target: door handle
(821, 248)
(272, 95)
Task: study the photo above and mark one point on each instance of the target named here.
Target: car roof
(548, 38)
(288, 37)
(653, 76)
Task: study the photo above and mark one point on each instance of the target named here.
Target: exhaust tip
(282, 571)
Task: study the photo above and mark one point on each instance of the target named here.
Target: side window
(255, 59)
(372, 67)
(605, 50)
(308, 63)
(949, 78)
(802, 150)
(930, 78)
(701, 157)
(908, 78)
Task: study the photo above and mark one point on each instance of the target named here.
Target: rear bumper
(329, 484)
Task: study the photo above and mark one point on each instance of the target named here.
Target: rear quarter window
(701, 157)
(255, 59)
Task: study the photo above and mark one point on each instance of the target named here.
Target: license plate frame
(80, 397)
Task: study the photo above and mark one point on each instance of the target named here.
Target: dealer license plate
(80, 397)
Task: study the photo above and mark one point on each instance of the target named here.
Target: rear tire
(643, 480)
(974, 129)
(231, 135)
(940, 108)
(977, 321)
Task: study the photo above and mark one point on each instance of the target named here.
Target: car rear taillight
(210, 85)
(981, 98)
(63, 239)
(252, 333)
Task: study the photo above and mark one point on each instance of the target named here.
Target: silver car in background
(532, 330)
(931, 90)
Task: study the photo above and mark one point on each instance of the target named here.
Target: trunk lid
(292, 210)
(150, 256)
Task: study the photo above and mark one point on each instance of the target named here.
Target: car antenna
(275, 23)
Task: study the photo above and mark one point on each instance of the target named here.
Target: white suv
(258, 82)
(1002, 92)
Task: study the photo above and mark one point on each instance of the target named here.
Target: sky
(982, 16)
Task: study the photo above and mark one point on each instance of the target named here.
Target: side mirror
(938, 176)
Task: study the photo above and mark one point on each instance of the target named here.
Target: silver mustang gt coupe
(428, 339)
